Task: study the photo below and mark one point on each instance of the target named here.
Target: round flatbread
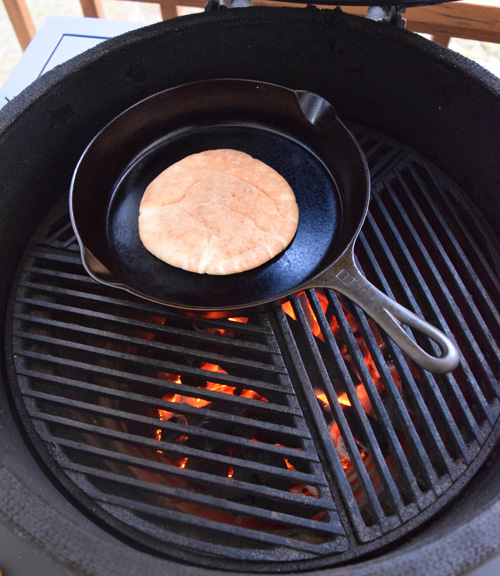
(218, 212)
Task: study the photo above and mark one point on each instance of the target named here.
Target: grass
(485, 53)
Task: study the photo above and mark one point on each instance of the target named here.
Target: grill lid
(399, 5)
(301, 437)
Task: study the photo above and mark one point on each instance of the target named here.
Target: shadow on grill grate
(301, 434)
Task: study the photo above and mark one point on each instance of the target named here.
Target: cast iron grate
(298, 435)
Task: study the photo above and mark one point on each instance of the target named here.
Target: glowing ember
(177, 398)
(343, 399)
(213, 368)
(228, 333)
(288, 309)
(363, 398)
(323, 329)
(226, 389)
(323, 398)
(204, 379)
(358, 375)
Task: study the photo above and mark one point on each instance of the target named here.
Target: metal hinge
(390, 14)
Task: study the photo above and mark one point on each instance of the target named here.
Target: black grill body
(448, 120)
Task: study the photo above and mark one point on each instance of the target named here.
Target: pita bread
(218, 212)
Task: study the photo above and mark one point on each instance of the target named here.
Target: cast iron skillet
(295, 132)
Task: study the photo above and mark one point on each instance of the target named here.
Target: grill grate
(98, 402)
(302, 434)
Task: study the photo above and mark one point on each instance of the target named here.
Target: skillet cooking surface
(319, 220)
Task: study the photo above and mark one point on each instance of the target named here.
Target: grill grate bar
(184, 351)
(454, 251)
(295, 548)
(385, 420)
(159, 365)
(463, 242)
(127, 303)
(165, 385)
(203, 338)
(137, 306)
(460, 323)
(408, 382)
(373, 446)
(70, 385)
(338, 413)
(59, 276)
(154, 466)
(66, 257)
(453, 278)
(411, 386)
(178, 408)
(63, 230)
(189, 520)
(421, 282)
(273, 494)
(283, 328)
(214, 502)
(381, 154)
(182, 430)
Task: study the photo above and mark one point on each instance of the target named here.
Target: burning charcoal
(359, 432)
(261, 477)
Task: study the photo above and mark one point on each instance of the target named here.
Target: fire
(310, 316)
(212, 386)
(322, 397)
(158, 439)
(362, 394)
(343, 399)
(288, 309)
(225, 388)
(319, 327)
(336, 331)
(212, 368)
(196, 402)
(202, 388)
(225, 331)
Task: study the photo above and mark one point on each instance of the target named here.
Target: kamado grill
(298, 438)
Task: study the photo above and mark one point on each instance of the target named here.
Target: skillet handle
(346, 278)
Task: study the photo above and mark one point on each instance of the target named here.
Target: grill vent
(302, 434)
